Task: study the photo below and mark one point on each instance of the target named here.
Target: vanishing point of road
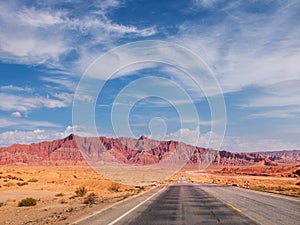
(200, 204)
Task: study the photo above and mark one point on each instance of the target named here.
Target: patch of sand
(54, 188)
(272, 182)
(11, 195)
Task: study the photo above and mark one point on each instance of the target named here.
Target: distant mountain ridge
(142, 151)
(285, 155)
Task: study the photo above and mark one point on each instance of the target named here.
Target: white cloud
(285, 93)
(15, 88)
(204, 3)
(85, 98)
(59, 37)
(291, 130)
(60, 81)
(24, 40)
(67, 131)
(40, 18)
(243, 144)
(278, 113)
(185, 135)
(196, 138)
(25, 124)
(36, 135)
(6, 123)
(232, 143)
(245, 48)
(136, 68)
(251, 50)
(10, 102)
(16, 114)
(38, 131)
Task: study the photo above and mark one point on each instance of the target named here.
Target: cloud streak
(32, 136)
(57, 37)
(18, 123)
(247, 48)
(12, 102)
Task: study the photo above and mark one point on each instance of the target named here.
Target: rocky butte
(142, 151)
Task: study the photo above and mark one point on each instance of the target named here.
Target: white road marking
(111, 206)
(134, 208)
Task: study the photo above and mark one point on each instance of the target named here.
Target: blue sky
(251, 47)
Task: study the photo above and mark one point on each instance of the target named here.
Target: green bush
(81, 191)
(27, 202)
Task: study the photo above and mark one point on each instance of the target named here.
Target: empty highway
(200, 204)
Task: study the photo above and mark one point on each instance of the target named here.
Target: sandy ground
(54, 188)
(273, 183)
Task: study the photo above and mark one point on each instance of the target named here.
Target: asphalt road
(265, 208)
(200, 204)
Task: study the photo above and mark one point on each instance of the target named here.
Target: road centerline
(233, 207)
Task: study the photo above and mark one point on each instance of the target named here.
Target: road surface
(265, 208)
(200, 204)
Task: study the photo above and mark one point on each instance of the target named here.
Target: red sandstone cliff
(48, 152)
(142, 151)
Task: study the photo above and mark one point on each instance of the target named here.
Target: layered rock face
(226, 158)
(283, 156)
(57, 152)
(142, 151)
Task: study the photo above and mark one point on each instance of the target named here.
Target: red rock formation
(142, 151)
(52, 152)
(262, 170)
(226, 158)
(286, 156)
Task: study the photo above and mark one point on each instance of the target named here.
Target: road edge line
(111, 206)
(134, 208)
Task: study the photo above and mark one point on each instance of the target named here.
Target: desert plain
(58, 202)
(54, 188)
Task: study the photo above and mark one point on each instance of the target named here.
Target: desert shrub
(81, 191)
(1, 204)
(127, 195)
(279, 188)
(9, 184)
(90, 199)
(114, 187)
(69, 210)
(22, 183)
(139, 189)
(27, 202)
(60, 194)
(32, 180)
